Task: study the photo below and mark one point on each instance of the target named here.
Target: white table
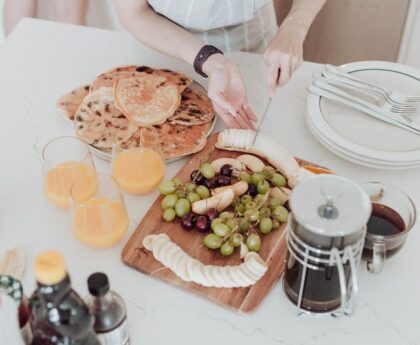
(39, 62)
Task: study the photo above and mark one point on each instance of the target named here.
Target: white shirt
(230, 25)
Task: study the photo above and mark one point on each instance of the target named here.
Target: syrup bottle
(59, 315)
(109, 311)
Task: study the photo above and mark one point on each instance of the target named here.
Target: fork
(392, 96)
(332, 79)
(384, 111)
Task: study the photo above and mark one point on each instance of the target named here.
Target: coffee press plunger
(325, 238)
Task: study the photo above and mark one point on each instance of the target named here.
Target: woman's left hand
(283, 56)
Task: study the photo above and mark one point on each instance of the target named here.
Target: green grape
(203, 192)
(190, 187)
(178, 183)
(281, 214)
(278, 180)
(169, 214)
(167, 187)
(181, 193)
(268, 171)
(245, 198)
(257, 178)
(240, 208)
(244, 176)
(225, 215)
(253, 242)
(226, 249)
(193, 197)
(274, 202)
(263, 187)
(221, 230)
(243, 224)
(251, 205)
(265, 212)
(236, 239)
(182, 207)
(169, 201)
(266, 225)
(216, 221)
(252, 215)
(259, 199)
(207, 170)
(212, 241)
(232, 224)
(276, 224)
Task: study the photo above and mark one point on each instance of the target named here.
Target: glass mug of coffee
(393, 216)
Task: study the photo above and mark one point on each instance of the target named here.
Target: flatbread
(176, 140)
(148, 99)
(70, 102)
(195, 109)
(97, 121)
(108, 78)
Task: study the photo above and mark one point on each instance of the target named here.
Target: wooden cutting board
(273, 249)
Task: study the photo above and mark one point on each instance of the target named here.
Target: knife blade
(267, 107)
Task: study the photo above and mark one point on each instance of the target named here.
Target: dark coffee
(384, 221)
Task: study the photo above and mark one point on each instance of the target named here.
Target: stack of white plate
(360, 138)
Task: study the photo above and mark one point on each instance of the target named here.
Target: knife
(262, 119)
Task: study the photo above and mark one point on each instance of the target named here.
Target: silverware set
(375, 100)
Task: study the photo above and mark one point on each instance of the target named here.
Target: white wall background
(101, 14)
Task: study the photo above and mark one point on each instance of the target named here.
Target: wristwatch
(203, 54)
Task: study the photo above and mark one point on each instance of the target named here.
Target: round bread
(149, 99)
(108, 78)
(70, 102)
(195, 109)
(98, 122)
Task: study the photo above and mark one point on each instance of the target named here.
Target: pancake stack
(120, 101)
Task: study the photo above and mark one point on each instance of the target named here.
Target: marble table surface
(42, 60)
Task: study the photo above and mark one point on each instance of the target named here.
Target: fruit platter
(218, 227)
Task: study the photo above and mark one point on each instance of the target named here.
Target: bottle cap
(98, 284)
(50, 268)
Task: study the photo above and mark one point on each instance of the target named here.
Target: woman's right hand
(228, 93)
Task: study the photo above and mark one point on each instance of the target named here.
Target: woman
(66, 11)
(197, 31)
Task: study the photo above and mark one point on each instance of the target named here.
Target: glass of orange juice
(65, 159)
(99, 220)
(139, 170)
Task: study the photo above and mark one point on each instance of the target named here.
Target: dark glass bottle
(109, 312)
(59, 315)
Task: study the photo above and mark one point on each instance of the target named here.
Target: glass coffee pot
(325, 238)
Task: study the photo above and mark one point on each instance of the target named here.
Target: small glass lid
(330, 205)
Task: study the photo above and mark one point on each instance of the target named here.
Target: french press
(325, 238)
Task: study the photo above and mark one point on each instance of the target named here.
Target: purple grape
(188, 221)
(202, 224)
(211, 183)
(212, 214)
(223, 180)
(197, 177)
(226, 170)
(252, 190)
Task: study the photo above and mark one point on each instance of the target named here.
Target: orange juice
(100, 222)
(59, 179)
(138, 170)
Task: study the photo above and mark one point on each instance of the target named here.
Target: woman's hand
(228, 93)
(283, 56)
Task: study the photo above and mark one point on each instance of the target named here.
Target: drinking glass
(99, 220)
(65, 159)
(140, 169)
(379, 247)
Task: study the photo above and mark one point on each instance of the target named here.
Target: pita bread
(108, 78)
(70, 102)
(176, 140)
(149, 99)
(195, 109)
(97, 121)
